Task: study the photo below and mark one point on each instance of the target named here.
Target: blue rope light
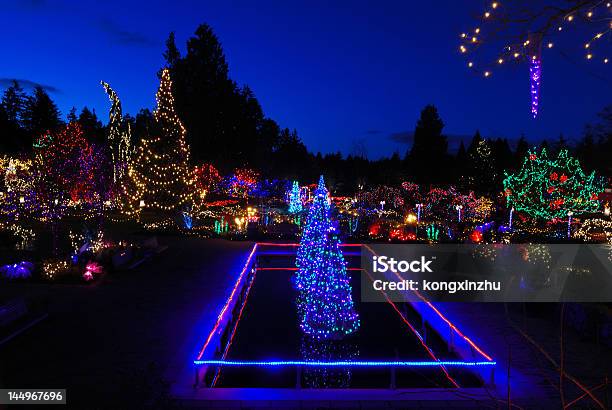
(342, 363)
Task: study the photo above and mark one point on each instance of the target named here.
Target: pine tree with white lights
(160, 175)
(119, 138)
(295, 200)
(325, 303)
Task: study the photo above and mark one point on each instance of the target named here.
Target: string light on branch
(533, 27)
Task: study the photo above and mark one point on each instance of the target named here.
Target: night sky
(338, 72)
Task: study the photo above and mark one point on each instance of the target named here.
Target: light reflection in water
(328, 350)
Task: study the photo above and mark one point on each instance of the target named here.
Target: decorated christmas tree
(68, 167)
(325, 303)
(161, 179)
(318, 223)
(295, 200)
(552, 188)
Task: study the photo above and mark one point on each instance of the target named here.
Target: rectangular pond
(257, 341)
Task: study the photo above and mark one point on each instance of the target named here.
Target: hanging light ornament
(535, 71)
(530, 26)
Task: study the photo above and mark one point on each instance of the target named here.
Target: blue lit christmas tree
(295, 200)
(325, 304)
(318, 223)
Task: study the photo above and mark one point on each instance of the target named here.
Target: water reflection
(328, 350)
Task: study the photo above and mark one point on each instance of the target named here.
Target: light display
(243, 182)
(161, 177)
(596, 229)
(21, 270)
(314, 350)
(69, 168)
(187, 219)
(325, 303)
(52, 268)
(314, 234)
(295, 200)
(347, 363)
(207, 178)
(550, 188)
(535, 74)
(433, 233)
(17, 193)
(119, 136)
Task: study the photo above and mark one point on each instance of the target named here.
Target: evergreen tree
(225, 122)
(325, 303)
(560, 144)
(429, 148)
(161, 176)
(12, 135)
(92, 126)
(172, 54)
(14, 102)
(72, 117)
(522, 148)
(40, 115)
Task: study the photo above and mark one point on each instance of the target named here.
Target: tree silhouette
(12, 135)
(40, 114)
(429, 147)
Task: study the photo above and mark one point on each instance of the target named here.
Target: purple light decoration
(535, 75)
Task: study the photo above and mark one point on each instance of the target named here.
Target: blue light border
(368, 363)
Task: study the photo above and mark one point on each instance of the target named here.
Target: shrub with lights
(552, 188)
(325, 303)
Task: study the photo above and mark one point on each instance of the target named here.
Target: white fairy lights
(160, 173)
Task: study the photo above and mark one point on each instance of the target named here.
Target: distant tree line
(226, 127)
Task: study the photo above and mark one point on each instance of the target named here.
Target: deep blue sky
(337, 71)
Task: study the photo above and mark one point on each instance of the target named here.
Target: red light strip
(418, 335)
(231, 339)
(448, 322)
(227, 303)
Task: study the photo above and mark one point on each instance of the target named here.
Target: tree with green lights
(295, 199)
(552, 188)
